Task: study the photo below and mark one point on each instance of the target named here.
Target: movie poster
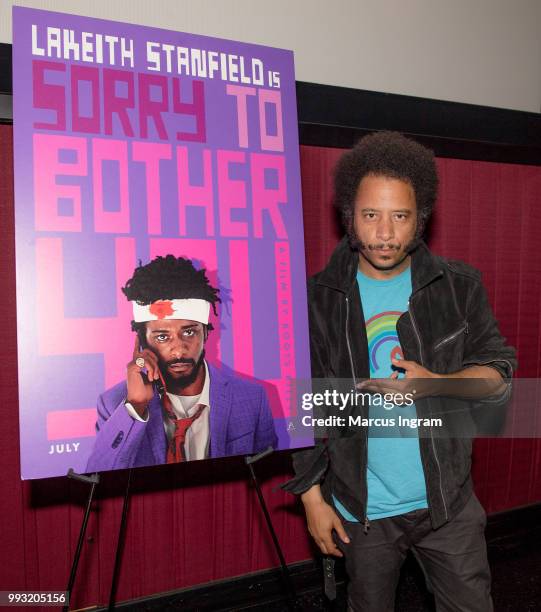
(134, 143)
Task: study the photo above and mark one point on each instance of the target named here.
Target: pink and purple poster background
(117, 161)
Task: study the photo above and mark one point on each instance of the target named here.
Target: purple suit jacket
(240, 424)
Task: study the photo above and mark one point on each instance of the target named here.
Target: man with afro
(173, 405)
(393, 318)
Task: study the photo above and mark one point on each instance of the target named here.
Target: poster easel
(94, 479)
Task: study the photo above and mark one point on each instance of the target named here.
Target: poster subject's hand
(142, 371)
(322, 520)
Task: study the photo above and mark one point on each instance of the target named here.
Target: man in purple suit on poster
(174, 406)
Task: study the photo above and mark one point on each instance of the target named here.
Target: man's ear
(205, 332)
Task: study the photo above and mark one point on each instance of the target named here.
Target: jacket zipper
(414, 325)
(464, 329)
(348, 344)
(417, 336)
(366, 521)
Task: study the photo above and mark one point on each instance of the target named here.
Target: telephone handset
(142, 337)
(157, 384)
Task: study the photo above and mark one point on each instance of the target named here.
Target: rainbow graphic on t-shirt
(381, 333)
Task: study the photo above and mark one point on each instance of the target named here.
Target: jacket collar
(341, 271)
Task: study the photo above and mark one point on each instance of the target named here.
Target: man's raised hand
(140, 389)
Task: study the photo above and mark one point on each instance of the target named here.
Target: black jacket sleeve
(484, 343)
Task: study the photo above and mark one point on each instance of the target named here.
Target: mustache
(182, 360)
(357, 245)
(373, 247)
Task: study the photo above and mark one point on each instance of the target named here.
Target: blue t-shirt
(394, 474)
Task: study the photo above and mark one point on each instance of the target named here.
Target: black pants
(453, 559)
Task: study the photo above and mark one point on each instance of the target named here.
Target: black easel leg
(94, 480)
(120, 544)
(291, 595)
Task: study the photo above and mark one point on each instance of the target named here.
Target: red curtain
(184, 531)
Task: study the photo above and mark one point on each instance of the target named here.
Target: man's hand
(476, 382)
(321, 520)
(417, 380)
(140, 389)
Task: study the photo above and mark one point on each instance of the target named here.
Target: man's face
(384, 221)
(179, 346)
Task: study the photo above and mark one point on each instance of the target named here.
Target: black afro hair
(169, 278)
(392, 155)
